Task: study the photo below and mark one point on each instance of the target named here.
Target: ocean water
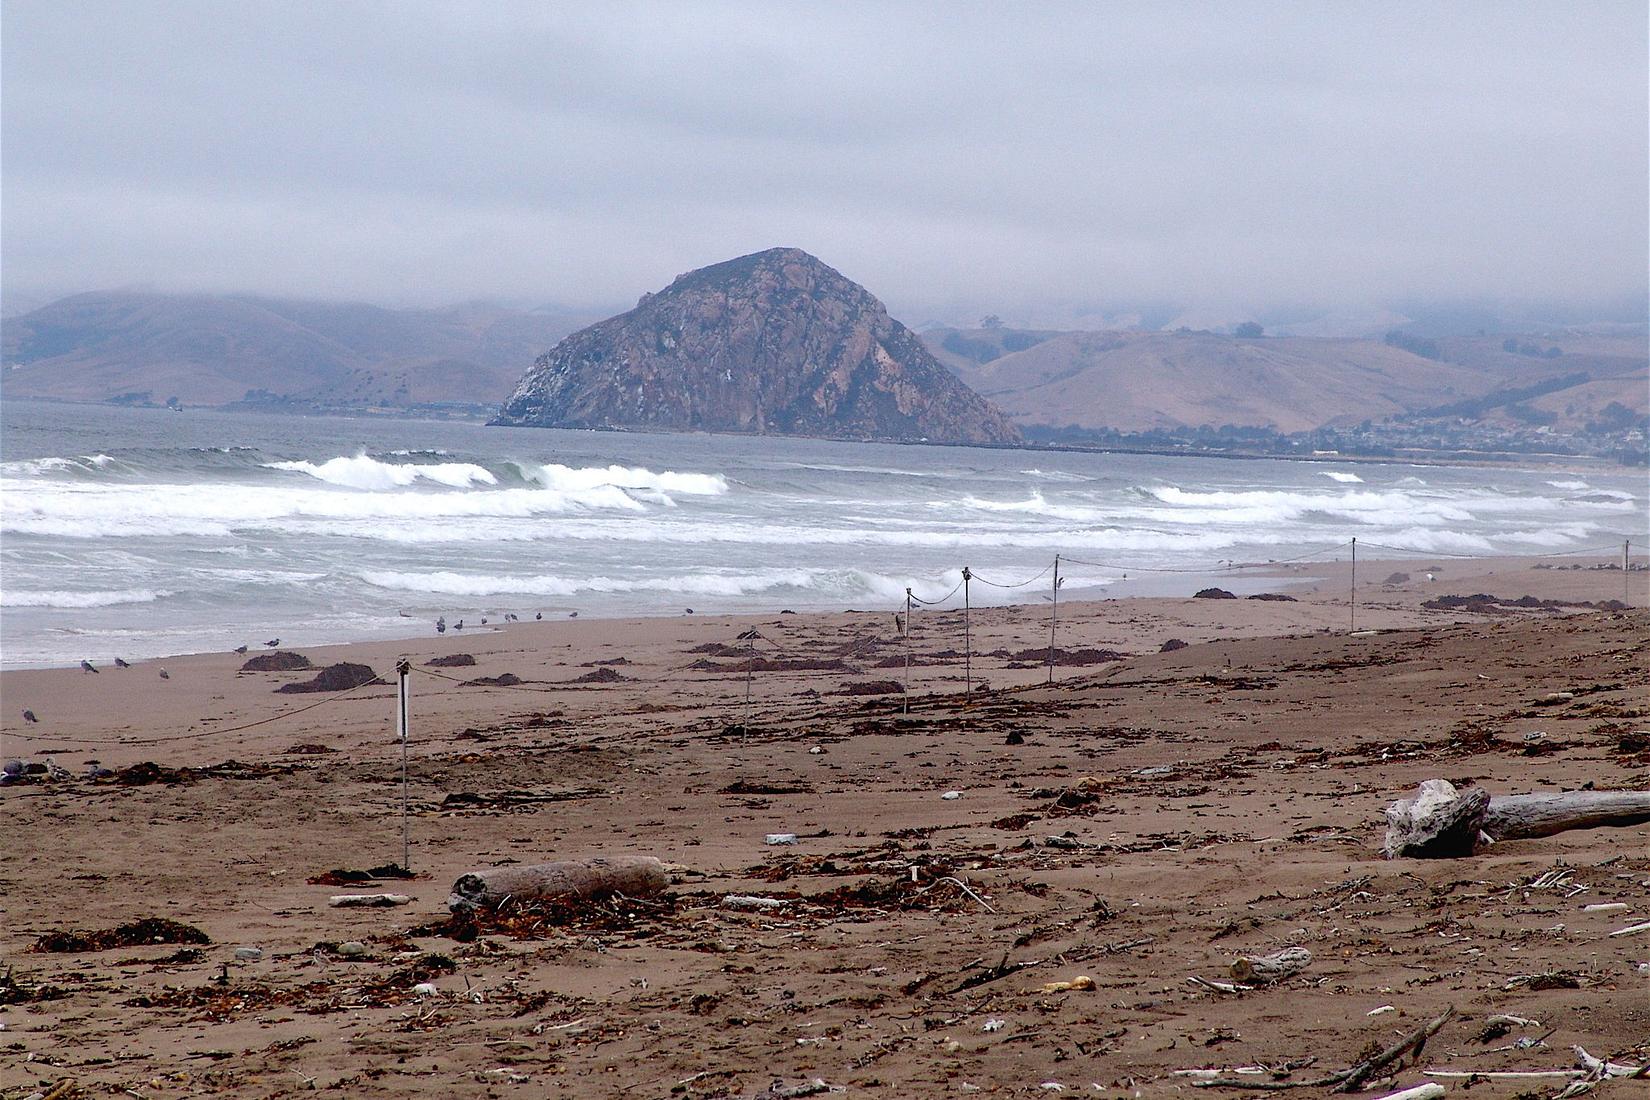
(141, 533)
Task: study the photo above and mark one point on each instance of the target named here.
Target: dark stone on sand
(870, 687)
(1015, 737)
(1400, 578)
(451, 660)
(1213, 594)
(339, 677)
(600, 676)
(1274, 596)
(281, 660)
(1171, 645)
(503, 679)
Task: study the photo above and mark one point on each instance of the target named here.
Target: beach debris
(340, 876)
(1066, 841)
(282, 660)
(451, 660)
(597, 876)
(753, 902)
(1351, 1080)
(1274, 597)
(424, 989)
(1632, 929)
(1396, 578)
(342, 676)
(814, 1087)
(951, 796)
(1554, 698)
(503, 679)
(359, 901)
(1213, 594)
(817, 750)
(992, 1024)
(1081, 982)
(778, 839)
(352, 949)
(138, 933)
(249, 954)
(1440, 822)
(1266, 969)
(1432, 1090)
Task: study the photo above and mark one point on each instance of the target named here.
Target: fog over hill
(145, 348)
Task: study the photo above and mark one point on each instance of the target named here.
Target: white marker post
(402, 668)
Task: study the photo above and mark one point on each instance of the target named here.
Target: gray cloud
(949, 156)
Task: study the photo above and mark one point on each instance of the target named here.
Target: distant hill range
(772, 343)
(779, 342)
(1165, 381)
(140, 348)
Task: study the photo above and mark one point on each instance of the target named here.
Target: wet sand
(1220, 799)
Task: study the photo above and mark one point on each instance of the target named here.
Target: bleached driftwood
(633, 876)
(353, 901)
(1429, 1091)
(1265, 969)
(1519, 816)
(1441, 822)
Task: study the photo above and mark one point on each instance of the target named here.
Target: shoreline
(1494, 460)
(1250, 577)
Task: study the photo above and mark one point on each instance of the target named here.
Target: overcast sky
(1016, 157)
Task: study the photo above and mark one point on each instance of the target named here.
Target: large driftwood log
(1441, 822)
(1518, 816)
(633, 876)
(1265, 969)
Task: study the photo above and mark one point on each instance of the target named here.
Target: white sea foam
(1573, 486)
(14, 597)
(364, 472)
(582, 479)
(1342, 476)
(448, 583)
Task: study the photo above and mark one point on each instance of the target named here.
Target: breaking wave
(12, 597)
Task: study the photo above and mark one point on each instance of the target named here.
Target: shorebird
(240, 649)
(121, 664)
(164, 675)
(538, 615)
(441, 626)
(459, 625)
(273, 642)
(690, 611)
(86, 666)
(28, 716)
(572, 614)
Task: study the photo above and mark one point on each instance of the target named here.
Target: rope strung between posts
(1020, 584)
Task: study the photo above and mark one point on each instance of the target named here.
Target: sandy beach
(1219, 799)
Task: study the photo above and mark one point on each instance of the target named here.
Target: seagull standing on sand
(273, 642)
(121, 664)
(28, 716)
(164, 675)
(240, 649)
(86, 666)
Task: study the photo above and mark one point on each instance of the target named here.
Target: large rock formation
(774, 342)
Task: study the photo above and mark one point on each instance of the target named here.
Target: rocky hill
(775, 342)
(1146, 381)
(220, 350)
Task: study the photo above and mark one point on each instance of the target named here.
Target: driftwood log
(598, 876)
(1265, 969)
(1441, 822)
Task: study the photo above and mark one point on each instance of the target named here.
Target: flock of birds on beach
(440, 628)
